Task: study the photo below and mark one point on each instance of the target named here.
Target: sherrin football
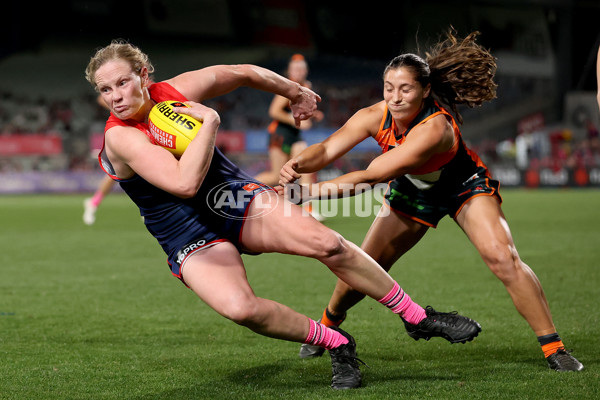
(171, 130)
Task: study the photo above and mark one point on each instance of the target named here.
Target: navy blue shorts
(220, 219)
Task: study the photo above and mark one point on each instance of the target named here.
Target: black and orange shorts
(428, 207)
(284, 136)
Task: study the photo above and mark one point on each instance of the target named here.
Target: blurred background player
(91, 204)
(432, 174)
(285, 138)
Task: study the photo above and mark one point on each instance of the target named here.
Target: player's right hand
(304, 104)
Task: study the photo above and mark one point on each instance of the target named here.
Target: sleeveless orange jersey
(427, 175)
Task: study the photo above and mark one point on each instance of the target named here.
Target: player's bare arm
(360, 126)
(434, 136)
(218, 80)
(131, 152)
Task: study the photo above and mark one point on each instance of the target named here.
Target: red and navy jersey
(454, 164)
(216, 212)
(158, 92)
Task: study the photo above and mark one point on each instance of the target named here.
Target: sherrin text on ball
(172, 130)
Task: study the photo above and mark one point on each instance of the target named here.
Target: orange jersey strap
(389, 137)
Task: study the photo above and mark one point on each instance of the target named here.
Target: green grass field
(94, 313)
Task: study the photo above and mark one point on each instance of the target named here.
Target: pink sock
(320, 335)
(400, 303)
(97, 198)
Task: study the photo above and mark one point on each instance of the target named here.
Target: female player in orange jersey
(202, 238)
(285, 138)
(431, 173)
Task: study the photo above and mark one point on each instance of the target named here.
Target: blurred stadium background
(542, 130)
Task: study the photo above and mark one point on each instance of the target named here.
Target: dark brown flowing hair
(460, 71)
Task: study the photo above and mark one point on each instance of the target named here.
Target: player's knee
(242, 313)
(504, 262)
(329, 245)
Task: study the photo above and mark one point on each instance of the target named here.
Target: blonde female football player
(203, 239)
(431, 174)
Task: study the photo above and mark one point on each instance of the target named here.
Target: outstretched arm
(433, 137)
(360, 126)
(218, 80)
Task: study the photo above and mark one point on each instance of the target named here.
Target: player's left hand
(199, 112)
